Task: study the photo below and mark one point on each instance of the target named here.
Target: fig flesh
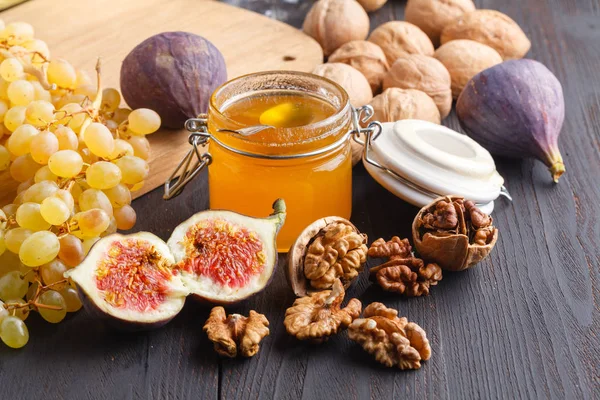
(224, 257)
(130, 281)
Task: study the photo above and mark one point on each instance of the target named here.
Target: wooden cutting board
(82, 30)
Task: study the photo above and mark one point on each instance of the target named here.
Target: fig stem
(557, 169)
(279, 212)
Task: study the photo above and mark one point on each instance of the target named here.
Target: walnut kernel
(397, 38)
(433, 15)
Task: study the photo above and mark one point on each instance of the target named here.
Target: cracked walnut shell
(330, 248)
(236, 334)
(393, 341)
(453, 233)
(319, 315)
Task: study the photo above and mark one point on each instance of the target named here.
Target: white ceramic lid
(434, 158)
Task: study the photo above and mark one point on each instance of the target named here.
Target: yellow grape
(62, 73)
(136, 187)
(23, 168)
(88, 156)
(71, 251)
(3, 110)
(88, 243)
(4, 158)
(94, 198)
(66, 197)
(99, 139)
(11, 69)
(23, 186)
(52, 272)
(3, 220)
(3, 88)
(40, 47)
(14, 238)
(39, 191)
(103, 175)
(112, 227)
(29, 217)
(13, 332)
(65, 163)
(88, 91)
(125, 217)
(19, 142)
(39, 248)
(133, 169)
(70, 98)
(10, 210)
(141, 146)
(76, 191)
(71, 299)
(19, 198)
(22, 312)
(17, 33)
(40, 92)
(43, 146)
(67, 139)
(54, 211)
(14, 117)
(75, 120)
(92, 222)
(120, 115)
(39, 112)
(111, 98)
(2, 245)
(143, 121)
(122, 148)
(44, 174)
(111, 125)
(20, 92)
(119, 195)
(52, 298)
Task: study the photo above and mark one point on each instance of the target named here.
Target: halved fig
(225, 257)
(130, 281)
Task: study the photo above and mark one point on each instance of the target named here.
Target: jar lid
(419, 161)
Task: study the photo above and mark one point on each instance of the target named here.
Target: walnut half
(393, 341)
(236, 334)
(319, 315)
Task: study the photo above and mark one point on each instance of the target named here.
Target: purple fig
(516, 109)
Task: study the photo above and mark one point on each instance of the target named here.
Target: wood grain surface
(110, 29)
(524, 324)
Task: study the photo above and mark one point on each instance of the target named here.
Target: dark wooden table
(525, 323)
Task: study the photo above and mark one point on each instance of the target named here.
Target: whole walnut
(433, 15)
(397, 38)
(335, 22)
(395, 104)
(424, 73)
(372, 5)
(366, 57)
(489, 27)
(464, 59)
(355, 83)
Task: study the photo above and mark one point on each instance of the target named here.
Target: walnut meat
(394, 248)
(329, 249)
(335, 22)
(366, 57)
(395, 104)
(391, 340)
(433, 15)
(489, 27)
(236, 334)
(355, 83)
(397, 38)
(422, 73)
(318, 316)
(453, 233)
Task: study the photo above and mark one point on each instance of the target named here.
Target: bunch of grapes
(78, 156)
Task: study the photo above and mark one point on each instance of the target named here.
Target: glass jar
(309, 166)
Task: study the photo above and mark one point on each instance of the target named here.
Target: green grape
(65, 163)
(122, 148)
(31, 292)
(4, 158)
(11, 69)
(19, 142)
(52, 298)
(94, 198)
(12, 286)
(67, 139)
(88, 243)
(39, 112)
(29, 217)
(13, 332)
(92, 222)
(54, 211)
(141, 146)
(3, 311)
(29, 274)
(52, 272)
(103, 175)
(20, 92)
(14, 117)
(143, 121)
(43, 146)
(23, 168)
(22, 312)
(133, 169)
(119, 195)
(40, 191)
(14, 238)
(71, 251)
(121, 114)
(9, 262)
(62, 73)
(99, 139)
(66, 197)
(125, 217)
(71, 299)
(39, 248)
(111, 98)
(17, 33)
(44, 174)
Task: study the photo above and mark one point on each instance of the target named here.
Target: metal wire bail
(193, 162)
